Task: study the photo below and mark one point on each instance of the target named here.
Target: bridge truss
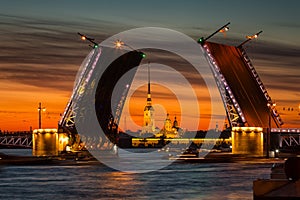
(16, 141)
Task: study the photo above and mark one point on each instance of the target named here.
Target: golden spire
(149, 101)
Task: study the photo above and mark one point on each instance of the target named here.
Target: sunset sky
(40, 51)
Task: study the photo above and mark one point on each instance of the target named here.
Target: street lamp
(40, 109)
(91, 40)
(119, 44)
(223, 29)
(270, 106)
(249, 38)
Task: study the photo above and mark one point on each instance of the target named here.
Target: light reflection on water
(177, 181)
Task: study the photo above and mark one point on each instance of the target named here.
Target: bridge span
(245, 98)
(245, 95)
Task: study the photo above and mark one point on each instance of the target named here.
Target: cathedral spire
(149, 123)
(149, 101)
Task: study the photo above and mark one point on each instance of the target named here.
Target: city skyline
(41, 52)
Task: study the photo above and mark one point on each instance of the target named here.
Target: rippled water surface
(177, 181)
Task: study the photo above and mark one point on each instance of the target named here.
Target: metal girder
(67, 120)
(289, 140)
(16, 141)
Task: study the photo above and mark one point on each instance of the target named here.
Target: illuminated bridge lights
(118, 44)
(223, 30)
(248, 141)
(285, 130)
(154, 141)
(48, 130)
(222, 80)
(201, 40)
(259, 82)
(247, 129)
(91, 40)
(143, 55)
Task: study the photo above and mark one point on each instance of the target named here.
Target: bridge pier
(48, 142)
(248, 141)
(45, 142)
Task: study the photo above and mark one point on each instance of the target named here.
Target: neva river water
(177, 181)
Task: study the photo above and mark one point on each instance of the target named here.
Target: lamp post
(91, 40)
(119, 45)
(249, 38)
(270, 105)
(223, 29)
(40, 109)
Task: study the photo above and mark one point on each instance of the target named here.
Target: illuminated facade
(168, 123)
(248, 141)
(170, 130)
(45, 142)
(48, 142)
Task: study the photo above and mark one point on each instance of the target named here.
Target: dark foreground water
(177, 181)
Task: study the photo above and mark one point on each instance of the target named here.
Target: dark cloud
(294, 25)
(177, 63)
(278, 52)
(52, 76)
(48, 53)
(42, 52)
(31, 40)
(278, 66)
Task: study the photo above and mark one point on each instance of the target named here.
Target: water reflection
(177, 181)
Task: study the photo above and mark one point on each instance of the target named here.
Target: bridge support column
(45, 142)
(248, 141)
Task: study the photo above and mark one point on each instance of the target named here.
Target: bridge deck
(243, 85)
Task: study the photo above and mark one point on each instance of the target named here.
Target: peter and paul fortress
(170, 130)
